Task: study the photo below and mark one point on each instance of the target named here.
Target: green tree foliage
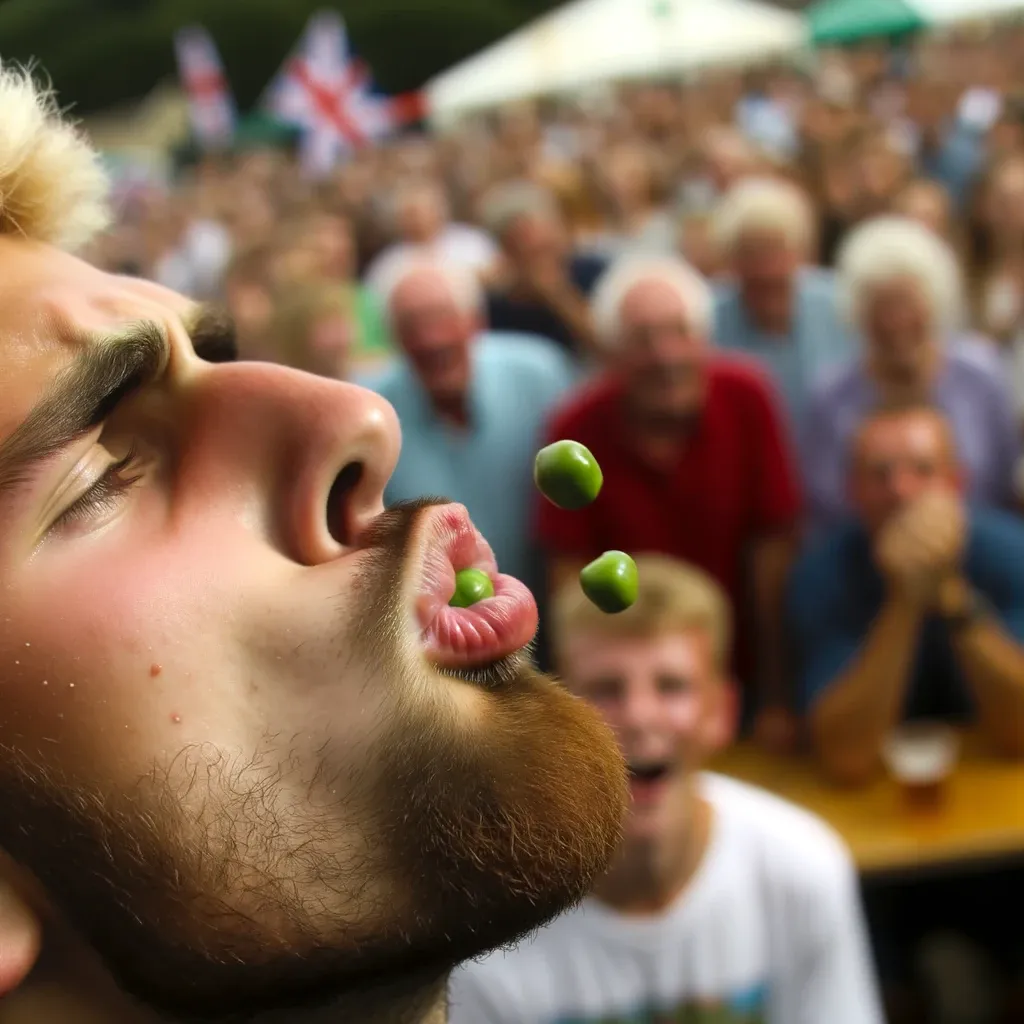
(101, 52)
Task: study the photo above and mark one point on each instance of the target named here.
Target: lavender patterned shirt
(969, 391)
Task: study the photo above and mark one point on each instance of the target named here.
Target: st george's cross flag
(210, 103)
(328, 93)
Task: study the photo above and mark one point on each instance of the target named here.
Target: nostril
(338, 502)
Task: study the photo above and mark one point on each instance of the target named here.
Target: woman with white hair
(775, 306)
(903, 291)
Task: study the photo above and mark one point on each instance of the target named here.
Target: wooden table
(981, 818)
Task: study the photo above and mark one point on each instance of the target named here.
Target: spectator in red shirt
(697, 464)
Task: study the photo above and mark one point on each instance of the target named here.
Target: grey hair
(53, 187)
(505, 204)
(767, 205)
(885, 249)
(463, 284)
(623, 276)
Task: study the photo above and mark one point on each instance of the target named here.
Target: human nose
(313, 455)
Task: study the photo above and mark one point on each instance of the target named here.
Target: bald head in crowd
(435, 309)
(653, 319)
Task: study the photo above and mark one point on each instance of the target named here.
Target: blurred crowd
(785, 311)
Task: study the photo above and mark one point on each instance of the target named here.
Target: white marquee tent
(591, 41)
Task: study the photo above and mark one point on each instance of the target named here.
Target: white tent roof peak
(590, 41)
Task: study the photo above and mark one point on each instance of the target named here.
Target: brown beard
(482, 831)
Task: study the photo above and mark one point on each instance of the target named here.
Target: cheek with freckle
(173, 640)
(124, 665)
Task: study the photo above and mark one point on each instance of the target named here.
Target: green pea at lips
(471, 585)
(611, 582)
(568, 475)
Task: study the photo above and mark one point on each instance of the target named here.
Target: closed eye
(105, 495)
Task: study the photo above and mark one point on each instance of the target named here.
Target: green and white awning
(845, 21)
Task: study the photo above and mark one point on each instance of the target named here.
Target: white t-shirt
(769, 931)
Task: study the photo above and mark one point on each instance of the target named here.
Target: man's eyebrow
(83, 395)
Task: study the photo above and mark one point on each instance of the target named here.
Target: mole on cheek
(155, 670)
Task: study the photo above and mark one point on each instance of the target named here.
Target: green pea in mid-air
(471, 585)
(568, 475)
(611, 582)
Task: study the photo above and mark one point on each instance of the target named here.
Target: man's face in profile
(237, 750)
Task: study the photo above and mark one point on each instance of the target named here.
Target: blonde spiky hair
(52, 186)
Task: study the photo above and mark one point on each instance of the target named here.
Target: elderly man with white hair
(775, 306)
(471, 403)
(903, 291)
(696, 460)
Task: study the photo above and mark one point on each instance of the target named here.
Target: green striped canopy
(844, 21)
